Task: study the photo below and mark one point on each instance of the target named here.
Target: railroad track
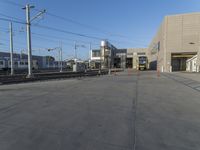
(48, 76)
(25, 71)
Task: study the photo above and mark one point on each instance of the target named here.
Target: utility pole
(11, 50)
(28, 29)
(61, 58)
(90, 49)
(109, 62)
(75, 49)
(75, 52)
(89, 57)
(59, 49)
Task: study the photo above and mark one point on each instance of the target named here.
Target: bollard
(115, 72)
(158, 73)
(128, 72)
(138, 72)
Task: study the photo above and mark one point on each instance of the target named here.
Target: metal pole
(90, 50)
(28, 26)
(11, 50)
(109, 62)
(75, 56)
(100, 60)
(61, 59)
(48, 63)
(75, 53)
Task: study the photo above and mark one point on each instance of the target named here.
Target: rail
(48, 76)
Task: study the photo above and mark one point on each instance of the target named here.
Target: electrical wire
(70, 20)
(11, 20)
(11, 17)
(12, 3)
(63, 38)
(17, 20)
(69, 32)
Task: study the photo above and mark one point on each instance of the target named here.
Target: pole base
(109, 72)
(30, 76)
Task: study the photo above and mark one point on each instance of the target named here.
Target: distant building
(95, 55)
(42, 61)
(95, 59)
(110, 56)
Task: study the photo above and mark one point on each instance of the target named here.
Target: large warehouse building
(177, 40)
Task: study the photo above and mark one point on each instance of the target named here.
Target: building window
(141, 53)
(95, 53)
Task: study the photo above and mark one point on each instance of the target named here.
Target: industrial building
(177, 41)
(108, 56)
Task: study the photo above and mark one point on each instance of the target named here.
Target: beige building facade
(133, 54)
(177, 40)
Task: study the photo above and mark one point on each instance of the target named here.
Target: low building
(42, 61)
(95, 59)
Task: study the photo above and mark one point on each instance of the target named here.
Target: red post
(138, 72)
(158, 73)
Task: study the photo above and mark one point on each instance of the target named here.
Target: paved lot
(190, 75)
(100, 114)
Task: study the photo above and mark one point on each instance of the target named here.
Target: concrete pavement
(99, 114)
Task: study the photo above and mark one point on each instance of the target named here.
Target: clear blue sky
(126, 23)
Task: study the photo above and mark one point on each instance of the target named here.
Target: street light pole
(11, 50)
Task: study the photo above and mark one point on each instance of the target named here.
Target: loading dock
(117, 63)
(178, 60)
(129, 62)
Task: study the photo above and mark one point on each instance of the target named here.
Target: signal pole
(11, 50)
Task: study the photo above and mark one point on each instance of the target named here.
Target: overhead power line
(63, 38)
(12, 3)
(83, 25)
(17, 20)
(70, 20)
(11, 20)
(76, 22)
(68, 32)
(11, 17)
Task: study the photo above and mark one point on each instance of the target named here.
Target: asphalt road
(123, 112)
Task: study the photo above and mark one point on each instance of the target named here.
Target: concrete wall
(175, 35)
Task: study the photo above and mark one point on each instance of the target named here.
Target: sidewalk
(190, 75)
